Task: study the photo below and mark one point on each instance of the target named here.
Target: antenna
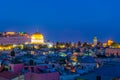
(37, 29)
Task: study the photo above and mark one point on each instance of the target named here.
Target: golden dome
(110, 42)
(37, 38)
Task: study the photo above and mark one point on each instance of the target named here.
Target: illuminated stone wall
(112, 51)
(14, 40)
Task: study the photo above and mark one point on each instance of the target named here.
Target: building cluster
(29, 57)
(46, 64)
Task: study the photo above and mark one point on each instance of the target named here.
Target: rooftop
(8, 75)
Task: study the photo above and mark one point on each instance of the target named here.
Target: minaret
(95, 41)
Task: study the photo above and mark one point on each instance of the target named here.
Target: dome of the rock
(37, 38)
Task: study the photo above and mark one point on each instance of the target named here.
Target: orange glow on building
(6, 47)
(104, 44)
(109, 42)
(10, 33)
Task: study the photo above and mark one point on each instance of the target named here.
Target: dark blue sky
(69, 20)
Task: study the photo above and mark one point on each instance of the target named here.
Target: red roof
(8, 75)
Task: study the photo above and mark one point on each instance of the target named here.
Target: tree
(70, 45)
(85, 44)
(79, 43)
(99, 44)
(57, 44)
(12, 53)
(67, 45)
(31, 62)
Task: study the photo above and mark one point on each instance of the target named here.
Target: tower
(95, 41)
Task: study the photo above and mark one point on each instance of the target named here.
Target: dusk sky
(63, 20)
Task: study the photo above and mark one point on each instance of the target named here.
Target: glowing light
(75, 54)
(32, 52)
(97, 66)
(74, 58)
(62, 54)
(104, 44)
(50, 45)
(26, 42)
(10, 33)
(62, 46)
